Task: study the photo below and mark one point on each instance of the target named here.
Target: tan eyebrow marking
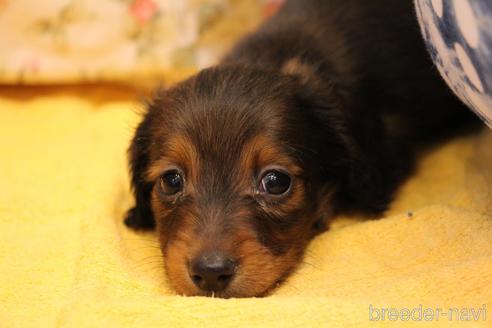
(179, 152)
(261, 152)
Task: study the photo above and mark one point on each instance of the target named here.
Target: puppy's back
(372, 49)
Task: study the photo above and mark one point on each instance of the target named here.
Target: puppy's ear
(140, 217)
(375, 165)
(365, 188)
(353, 149)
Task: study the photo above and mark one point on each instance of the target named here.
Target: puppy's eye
(275, 183)
(171, 182)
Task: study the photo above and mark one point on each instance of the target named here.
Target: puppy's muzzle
(212, 272)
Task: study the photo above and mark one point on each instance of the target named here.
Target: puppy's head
(238, 168)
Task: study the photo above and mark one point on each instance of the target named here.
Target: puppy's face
(238, 173)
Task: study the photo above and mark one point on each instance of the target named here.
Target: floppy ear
(365, 186)
(375, 164)
(355, 152)
(140, 217)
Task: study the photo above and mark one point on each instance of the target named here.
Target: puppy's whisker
(311, 265)
(149, 241)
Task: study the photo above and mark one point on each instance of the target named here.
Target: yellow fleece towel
(66, 259)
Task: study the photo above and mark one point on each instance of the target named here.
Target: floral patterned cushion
(60, 41)
(458, 34)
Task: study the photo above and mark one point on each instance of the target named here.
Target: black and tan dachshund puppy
(313, 115)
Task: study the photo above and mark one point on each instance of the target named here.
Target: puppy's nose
(212, 272)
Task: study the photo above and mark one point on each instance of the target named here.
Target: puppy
(313, 115)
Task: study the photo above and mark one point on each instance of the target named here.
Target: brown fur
(333, 94)
(257, 261)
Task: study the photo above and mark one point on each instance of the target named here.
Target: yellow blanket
(66, 259)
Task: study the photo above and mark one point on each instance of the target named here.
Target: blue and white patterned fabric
(458, 34)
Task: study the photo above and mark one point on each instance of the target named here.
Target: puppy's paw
(136, 221)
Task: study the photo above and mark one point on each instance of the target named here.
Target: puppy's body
(311, 116)
(371, 51)
(371, 58)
